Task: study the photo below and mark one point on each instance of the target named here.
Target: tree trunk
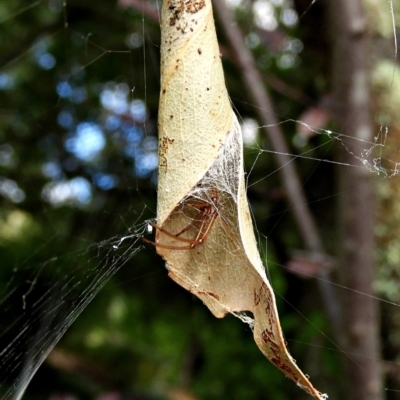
(357, 208)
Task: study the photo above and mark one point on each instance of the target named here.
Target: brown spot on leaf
(176, 8)
(193, 6)
(259, 294)
(267, 336)
(163, 145)
(215, 296)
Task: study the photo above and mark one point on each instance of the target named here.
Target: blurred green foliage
(64, 210)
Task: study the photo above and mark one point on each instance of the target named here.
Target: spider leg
(210, 223)
(186, 228)
(172, 235)
(164, 246)
(205, 213)
(204, 220)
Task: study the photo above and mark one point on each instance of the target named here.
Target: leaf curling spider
(203, 222)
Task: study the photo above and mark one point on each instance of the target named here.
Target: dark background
(79, 88)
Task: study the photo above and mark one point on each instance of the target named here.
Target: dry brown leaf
(201, 192)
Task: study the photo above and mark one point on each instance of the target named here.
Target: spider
(203, 222)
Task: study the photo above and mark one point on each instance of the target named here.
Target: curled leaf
(205, 232)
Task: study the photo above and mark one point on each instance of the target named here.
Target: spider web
(49, 284)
